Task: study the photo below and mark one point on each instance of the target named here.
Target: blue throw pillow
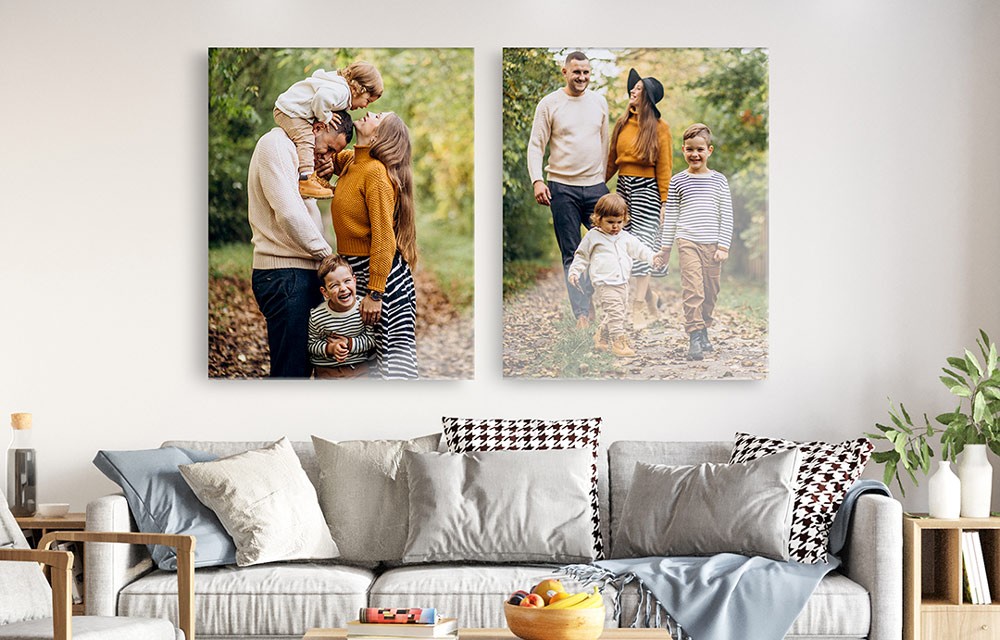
(162, 502)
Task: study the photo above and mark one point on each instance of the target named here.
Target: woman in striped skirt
(641, 154)
(373, 217)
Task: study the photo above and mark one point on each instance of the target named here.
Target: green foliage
(976, 419)
(528, 75)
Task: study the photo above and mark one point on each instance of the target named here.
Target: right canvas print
(635, 213)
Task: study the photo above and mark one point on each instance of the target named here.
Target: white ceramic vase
(944, 493)
(976, 476)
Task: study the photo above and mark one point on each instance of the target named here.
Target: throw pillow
(499, 506)
(266, 503)
(161, 502)
(464, 435)
(827, 471)
(695, 510)
(365, 496)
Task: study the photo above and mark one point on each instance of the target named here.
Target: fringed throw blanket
(727, 595)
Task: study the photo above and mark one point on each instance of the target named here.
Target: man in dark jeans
(288, 241)
(573, 123)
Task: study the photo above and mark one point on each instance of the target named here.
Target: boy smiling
(339, 342)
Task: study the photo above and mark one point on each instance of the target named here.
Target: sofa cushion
(263, 600)
(838, 608)
(364, 495)
(828, 470)
(694, 510)
(161, 502)
(499, 506)
(463, 435)
(473, 593)
(623, 455)
(266, 503)
(97, 628)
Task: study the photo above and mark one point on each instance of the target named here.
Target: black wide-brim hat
(652, 89)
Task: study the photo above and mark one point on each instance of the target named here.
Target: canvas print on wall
(340, 213)
(635, 213)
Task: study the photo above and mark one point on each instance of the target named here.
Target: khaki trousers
(612, 300)
(300, 131)
(359, 370)
(700, 282)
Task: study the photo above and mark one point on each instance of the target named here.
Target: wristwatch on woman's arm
(375, 295)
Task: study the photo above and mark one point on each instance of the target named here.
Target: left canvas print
(340, 213)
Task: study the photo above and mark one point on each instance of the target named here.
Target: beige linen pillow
(696, 510)
(364, 495)
(500, 506)
(267, 504)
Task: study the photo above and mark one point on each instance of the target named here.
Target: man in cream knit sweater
(288, 242)
(573, 122)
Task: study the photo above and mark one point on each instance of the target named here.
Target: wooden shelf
(38, 526)
(933, 603)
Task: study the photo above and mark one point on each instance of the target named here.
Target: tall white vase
(976, 475)
(944, 493)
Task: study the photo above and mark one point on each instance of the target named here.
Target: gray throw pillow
(266, 503)
(704, 509)
(161, 502)
(364, 495)
(500, 506)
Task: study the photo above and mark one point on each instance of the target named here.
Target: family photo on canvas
(635, 213)
(319, 261)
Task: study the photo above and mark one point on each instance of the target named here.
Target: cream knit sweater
(575, 128)
(287, 230)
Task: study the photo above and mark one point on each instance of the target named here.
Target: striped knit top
(699, 208)
(363, 208)
(324, 322)
(623, 159)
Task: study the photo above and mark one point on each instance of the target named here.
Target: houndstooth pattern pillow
(826, 472)
(464, 435)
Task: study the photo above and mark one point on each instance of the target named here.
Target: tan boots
(313, 187)
(621, 348)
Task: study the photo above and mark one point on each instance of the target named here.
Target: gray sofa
(283, 600)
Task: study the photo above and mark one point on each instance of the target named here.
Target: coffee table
(505, 634)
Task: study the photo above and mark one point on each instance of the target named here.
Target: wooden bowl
(530, 623)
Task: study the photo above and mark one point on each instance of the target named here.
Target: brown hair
(698, 130)
(361, 77)
(393, 149)
(575, 55)
(610, 204)
(331, 263)
(647, 145)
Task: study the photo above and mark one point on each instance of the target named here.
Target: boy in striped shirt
(339, 342)
(698, 218)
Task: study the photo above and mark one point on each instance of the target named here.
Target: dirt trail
(540, 341)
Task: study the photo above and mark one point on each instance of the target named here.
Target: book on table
(443, 628)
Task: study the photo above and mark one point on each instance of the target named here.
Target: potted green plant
(975, 421)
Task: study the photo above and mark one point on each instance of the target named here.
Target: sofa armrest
(111, 566)
(873, 558)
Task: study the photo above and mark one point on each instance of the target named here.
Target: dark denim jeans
(285, 297)
(571, 207)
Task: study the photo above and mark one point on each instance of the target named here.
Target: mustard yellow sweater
(623, 159)
(362, 208)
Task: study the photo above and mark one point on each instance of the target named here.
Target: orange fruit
(559, 595)
(548, 588)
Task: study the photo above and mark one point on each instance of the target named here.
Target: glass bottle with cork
(21, 467)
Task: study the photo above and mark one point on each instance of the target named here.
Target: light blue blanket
(727, 595)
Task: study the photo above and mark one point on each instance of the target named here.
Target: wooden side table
(933, 606)
(38, 526)
(505, 634)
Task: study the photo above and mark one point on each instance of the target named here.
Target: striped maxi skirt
(643, 200)
(395, 341)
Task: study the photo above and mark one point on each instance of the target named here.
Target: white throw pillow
(267, 504)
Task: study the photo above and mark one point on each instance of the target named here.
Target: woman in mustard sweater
(642, 155)
(373, 217)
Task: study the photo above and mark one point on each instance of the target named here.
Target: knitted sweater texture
(286, 229)
(622, 155)
(575, 128)
(363, 208)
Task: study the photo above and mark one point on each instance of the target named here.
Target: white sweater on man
(575, 128)
(287, 230)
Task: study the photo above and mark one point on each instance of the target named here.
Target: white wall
(884, 219)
